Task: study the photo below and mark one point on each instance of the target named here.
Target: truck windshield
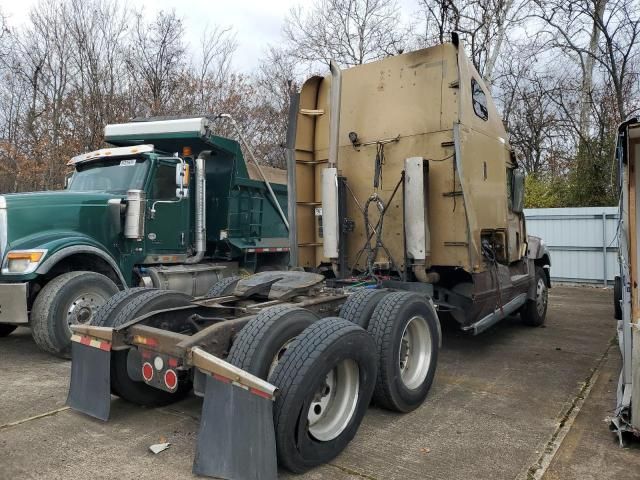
(112, 176)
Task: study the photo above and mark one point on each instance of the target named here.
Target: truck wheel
(115, 304)
(262, 342)
(68, 299)
(6, 329)
(405, 328)
(223, 287)
(617, 298)
(326, 379)
(534, 312)
(360, 306)
(132, 390)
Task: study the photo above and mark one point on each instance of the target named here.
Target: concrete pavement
(495, 405)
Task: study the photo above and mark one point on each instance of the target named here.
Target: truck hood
(34, 219)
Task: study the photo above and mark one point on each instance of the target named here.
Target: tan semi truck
(405, 205)
(413, 180)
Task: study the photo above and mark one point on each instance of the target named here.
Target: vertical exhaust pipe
(330, 219)
(201, 210)
(334, 106)
(416, 218)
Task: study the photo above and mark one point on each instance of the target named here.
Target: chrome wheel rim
(83, 308)
(414, 356)
(334, 403)
(278, 356)
(541, 297)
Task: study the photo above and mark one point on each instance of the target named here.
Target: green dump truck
(170, 206)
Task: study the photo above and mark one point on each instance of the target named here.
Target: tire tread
(248, 339)
(219, 288)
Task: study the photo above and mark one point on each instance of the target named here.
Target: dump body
(430, 105)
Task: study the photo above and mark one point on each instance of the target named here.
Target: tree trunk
(500, 36)
(587, 80)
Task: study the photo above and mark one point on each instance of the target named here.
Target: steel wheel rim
(278, 356)
(541, 297)
(83, 308)
(414, 357)
(334, 404)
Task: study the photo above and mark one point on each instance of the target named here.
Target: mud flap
(236, 439)
(90, 388)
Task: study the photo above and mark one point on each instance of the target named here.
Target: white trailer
(626, 419)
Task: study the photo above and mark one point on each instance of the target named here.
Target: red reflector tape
(221, 378)
(91, 342)
(267, 250)
(260, 393)
(255, 391)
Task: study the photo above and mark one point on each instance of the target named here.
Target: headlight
(22, 261)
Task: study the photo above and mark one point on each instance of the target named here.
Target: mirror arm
(152, 211)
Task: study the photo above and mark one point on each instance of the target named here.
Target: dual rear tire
(327, 371)
(406, 331)
(326, 380)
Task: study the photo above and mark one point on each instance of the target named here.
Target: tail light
(170, 379)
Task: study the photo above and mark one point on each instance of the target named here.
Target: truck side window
(479, 100)
(164, 186)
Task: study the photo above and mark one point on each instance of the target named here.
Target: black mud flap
(236, 438)
(90, 388)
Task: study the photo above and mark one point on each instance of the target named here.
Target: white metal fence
(582, 242)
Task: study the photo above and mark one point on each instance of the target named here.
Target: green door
(168, 230)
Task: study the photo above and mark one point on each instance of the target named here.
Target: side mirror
(182, 180)
(67, 180)
(517, 191)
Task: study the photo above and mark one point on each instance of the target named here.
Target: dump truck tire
(405, 329)
(223, 287)
(106, 313)
(326, 379)
(360, 306)
(263, 341)
(70, 298)
(6, 329)
(122, 384)
(115, 304)
(534, 312)
(617, 298)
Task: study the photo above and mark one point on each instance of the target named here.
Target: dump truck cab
(169, 205)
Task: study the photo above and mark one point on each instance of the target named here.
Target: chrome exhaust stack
(330, 218)
(201, 210)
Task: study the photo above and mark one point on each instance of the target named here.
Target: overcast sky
(256, 22)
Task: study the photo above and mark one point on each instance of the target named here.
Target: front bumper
(13, 303)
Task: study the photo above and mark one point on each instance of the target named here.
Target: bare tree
(157, 61)
(351, 32)
(4, 33)
(98, 30)
(596, 32)
(214, 66)
(483, 25)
